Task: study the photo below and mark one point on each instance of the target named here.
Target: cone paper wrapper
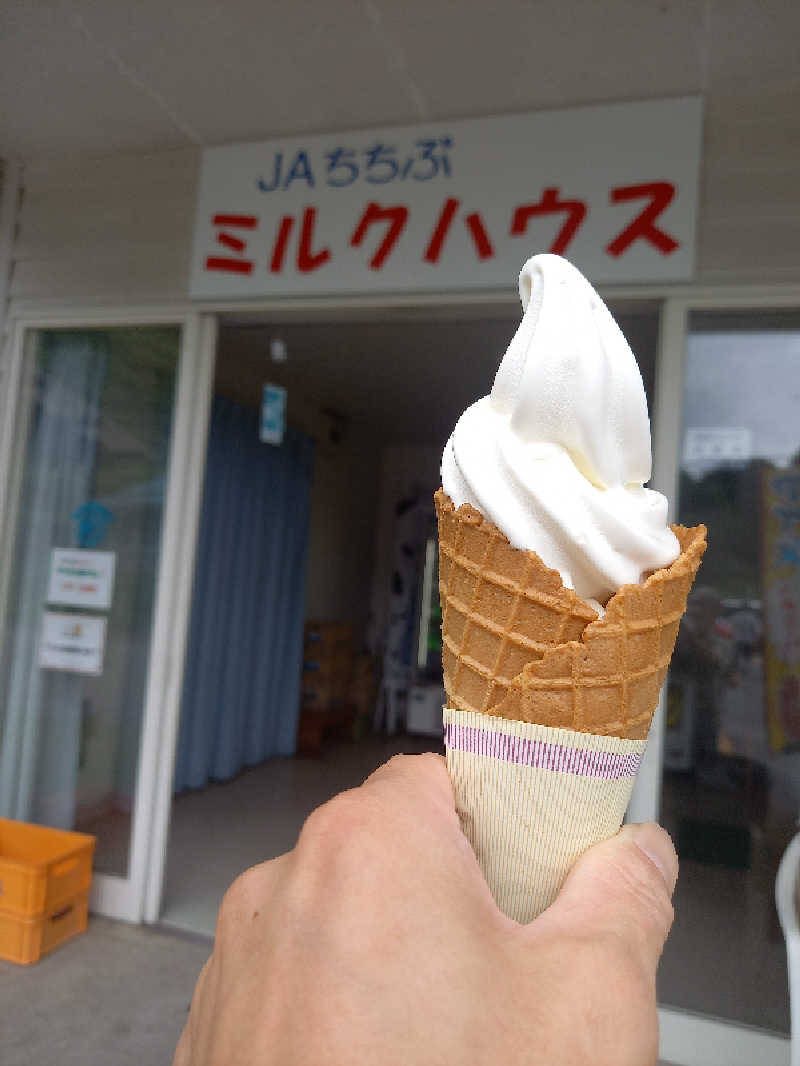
(532, 798)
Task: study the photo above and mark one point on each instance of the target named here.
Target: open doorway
(313, 652)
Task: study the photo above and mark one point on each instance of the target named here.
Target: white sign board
(452, 205)
(711, 445)
(81, 578)
(73, 643)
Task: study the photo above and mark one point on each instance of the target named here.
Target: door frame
(113, 896)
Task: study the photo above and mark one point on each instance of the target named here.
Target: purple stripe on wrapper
(607, 765)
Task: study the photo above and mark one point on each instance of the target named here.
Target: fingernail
(657, 845)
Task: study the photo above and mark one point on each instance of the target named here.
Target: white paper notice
(81, 578)
(72, 642)
(709, 446)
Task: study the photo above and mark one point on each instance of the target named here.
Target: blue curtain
(242, 682)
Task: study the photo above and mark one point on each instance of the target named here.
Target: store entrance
(314, 647)
(305, 636)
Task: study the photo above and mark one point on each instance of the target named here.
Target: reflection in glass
(731, 793)
(93, 437)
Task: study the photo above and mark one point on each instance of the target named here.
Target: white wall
(112, 230)
(119, 229)
(750, 187)
(341, 554)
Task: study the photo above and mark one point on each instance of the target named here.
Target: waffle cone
(519, 645)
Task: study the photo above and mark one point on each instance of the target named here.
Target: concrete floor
(119, 995)
(217, 832)
(116, 996)
(725, 956)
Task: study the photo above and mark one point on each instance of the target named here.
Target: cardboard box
(327, 665)
(312, 728)
(332, 662)
(322, 694)
(323, 637)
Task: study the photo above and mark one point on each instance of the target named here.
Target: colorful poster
(781, 585)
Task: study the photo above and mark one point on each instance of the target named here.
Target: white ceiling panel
(246, 70)
(754, 42)
(476, 58)
(60, 91)
(103, 76)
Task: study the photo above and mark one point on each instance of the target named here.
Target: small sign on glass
(73, 643)
(81, 578)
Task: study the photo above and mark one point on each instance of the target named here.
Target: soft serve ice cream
(562, 589)
(558, 454)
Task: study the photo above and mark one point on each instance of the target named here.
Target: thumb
(622, 888)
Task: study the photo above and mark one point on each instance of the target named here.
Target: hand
(376, 942)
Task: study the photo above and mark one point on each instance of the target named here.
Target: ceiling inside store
(106, 76)
(397, 380)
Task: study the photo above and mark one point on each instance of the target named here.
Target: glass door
(731, 747)
(93, 456)
(729, 780)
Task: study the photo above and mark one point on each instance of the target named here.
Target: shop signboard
(73, 643)
(449, 206)
(81, 578)
(781, 585)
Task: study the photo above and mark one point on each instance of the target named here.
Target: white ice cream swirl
(558, 454)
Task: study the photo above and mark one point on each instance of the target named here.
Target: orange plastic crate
(25, 940)
(42, 869)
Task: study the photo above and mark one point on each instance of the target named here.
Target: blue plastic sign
(273, 414)
(93, 520)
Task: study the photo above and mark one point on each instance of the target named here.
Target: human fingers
(622, 890)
